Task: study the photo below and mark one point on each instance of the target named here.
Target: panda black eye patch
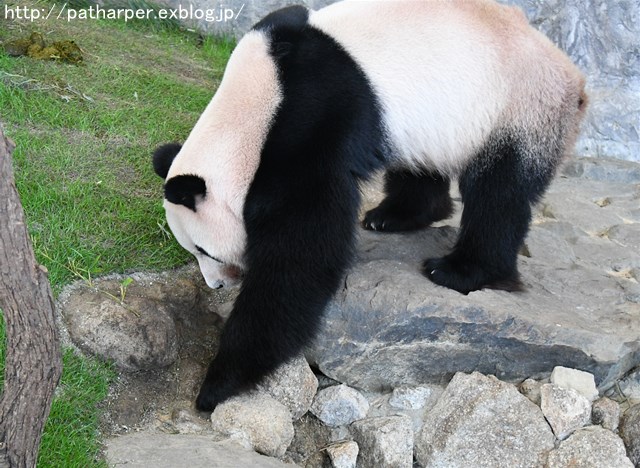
(204, 252)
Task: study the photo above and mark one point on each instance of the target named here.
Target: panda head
(201, 222)
(207, 179)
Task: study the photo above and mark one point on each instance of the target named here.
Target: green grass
(84, 135)
(71, 437)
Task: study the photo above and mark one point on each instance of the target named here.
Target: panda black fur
(311, 104)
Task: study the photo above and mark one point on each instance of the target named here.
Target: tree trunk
(33, 364)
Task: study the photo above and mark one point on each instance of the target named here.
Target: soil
(163, 398)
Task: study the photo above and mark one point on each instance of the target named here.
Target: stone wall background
(602, 37)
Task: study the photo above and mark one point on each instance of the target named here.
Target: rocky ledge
(406, 371)
(389, 326)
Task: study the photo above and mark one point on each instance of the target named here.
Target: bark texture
(33, 363)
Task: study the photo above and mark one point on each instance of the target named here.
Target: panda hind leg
(498, 189)
(413, 201)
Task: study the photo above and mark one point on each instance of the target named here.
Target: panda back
(448, 74)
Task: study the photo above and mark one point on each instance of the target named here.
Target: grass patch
(84, 136)
(71, 436)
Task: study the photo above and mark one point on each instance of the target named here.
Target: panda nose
(217, 285)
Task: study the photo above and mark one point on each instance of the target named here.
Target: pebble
(294, 385)
(591, 446)
(384, 442)
(630, 432)
(409, 397)
(343, 454)
(582, 382)
(257, 418)
(339, 405)
(565, 409)
(606, 413)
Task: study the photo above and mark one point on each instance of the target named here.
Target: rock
(138, 334)
(543, 244)
(588, 447)
(606, 413)
(630, 432)
(481, 419)
(185, 422)
(580, 381)
(343, 454)
(390, 327)
(144, 449)
(409, 397)
(384, 441)
(339, 405)
(565, 409)
(310, 437)
(256, 417)
(294, 385)
(609, 170)
(630, 385)
(531, 389)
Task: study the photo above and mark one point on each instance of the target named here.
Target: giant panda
(266, 187)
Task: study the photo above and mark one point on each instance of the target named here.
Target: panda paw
(216, 388)
(383, 219)
(465, 277)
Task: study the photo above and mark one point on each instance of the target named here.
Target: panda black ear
(183, 189)
(163, 157)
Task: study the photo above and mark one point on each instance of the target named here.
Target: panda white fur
(311, 103)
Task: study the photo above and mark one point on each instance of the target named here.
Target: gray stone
(343, 454)
(606, 413)
(257, 418)
(309, 440)
(391, 327)
(580, 381)
(549, 247)
(380, 404)
(630, 432)
(294, 385)
(603, 169)
(185, 422)
(531, 389)
(339, 405)
(144, 449)
(409, 397)
(480, 419)
(137, 334)
(384, 441)
(565, 409)
(589, 447)
(630, 385)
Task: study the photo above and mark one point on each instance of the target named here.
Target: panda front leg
(498, 189)
(413, 201)
(300, 242)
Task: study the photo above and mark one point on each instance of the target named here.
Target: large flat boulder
(389, 326)
(146, 449)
